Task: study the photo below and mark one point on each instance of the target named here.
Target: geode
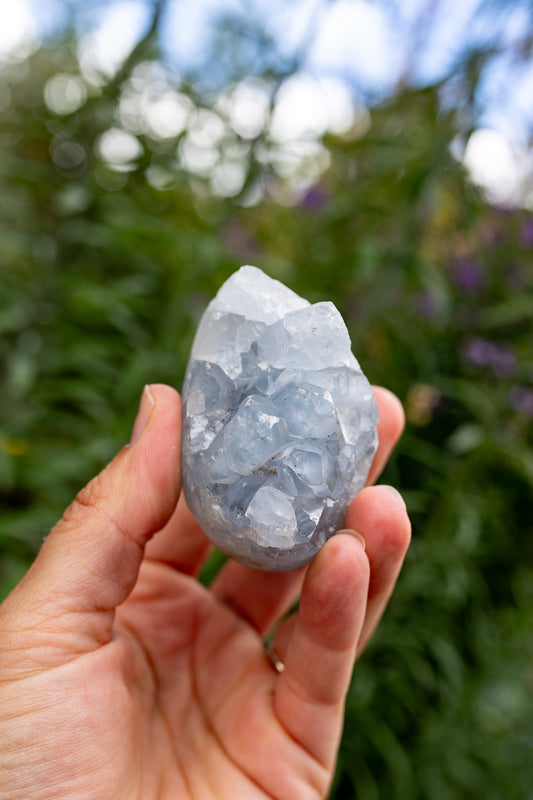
(279, 425)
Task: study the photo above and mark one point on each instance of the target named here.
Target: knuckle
(92, 498)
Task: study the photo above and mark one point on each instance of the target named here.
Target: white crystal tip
(251, 293)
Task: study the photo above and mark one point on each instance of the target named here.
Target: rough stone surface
(279, 423)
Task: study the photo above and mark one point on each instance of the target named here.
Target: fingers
(89, 562)
(379, 514)
(344, 595)
(320, 648)
(390, 427)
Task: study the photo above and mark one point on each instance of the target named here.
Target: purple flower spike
(521, 400)
(527, 233)
(468, 274)
(315, 199)
(497, 356)
(478, 352)
(503, 362)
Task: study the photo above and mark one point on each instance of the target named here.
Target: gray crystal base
(279, 423)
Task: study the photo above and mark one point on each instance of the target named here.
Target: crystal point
(279, 423)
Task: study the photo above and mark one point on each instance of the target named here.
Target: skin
(122, 677)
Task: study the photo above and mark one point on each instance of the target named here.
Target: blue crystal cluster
(279, 423)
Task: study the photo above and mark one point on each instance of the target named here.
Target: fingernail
(145, 409)
(394, 491)
(357, 535)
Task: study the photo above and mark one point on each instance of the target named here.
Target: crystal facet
(279, 423)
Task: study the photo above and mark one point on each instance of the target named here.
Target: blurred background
(378, 154)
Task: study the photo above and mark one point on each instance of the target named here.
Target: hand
(122, 677)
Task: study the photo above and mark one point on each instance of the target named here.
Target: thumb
(90, 560)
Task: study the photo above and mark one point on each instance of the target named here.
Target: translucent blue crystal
(279, 426)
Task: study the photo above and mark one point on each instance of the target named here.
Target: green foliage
(104, 273)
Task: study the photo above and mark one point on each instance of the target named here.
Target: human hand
(122, 677)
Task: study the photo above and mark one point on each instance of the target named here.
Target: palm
(209, 699)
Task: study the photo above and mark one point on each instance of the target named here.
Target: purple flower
(521, 400)
(468, 274)
(527, 232)
(503, 361)
(477, 352)
(496, 356)
(315, 199)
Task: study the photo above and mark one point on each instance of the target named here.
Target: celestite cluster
(279, 423)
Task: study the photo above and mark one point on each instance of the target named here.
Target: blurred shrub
(115, 232)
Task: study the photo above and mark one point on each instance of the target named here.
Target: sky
(355, 49)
